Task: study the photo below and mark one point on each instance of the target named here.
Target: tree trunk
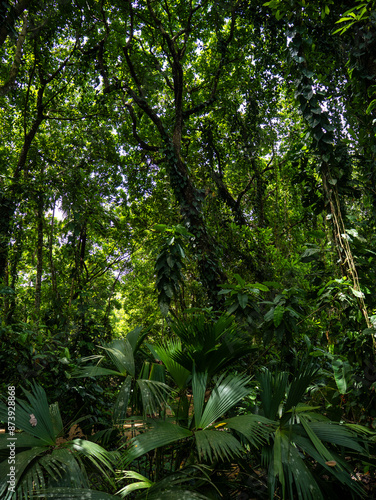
(38, 282)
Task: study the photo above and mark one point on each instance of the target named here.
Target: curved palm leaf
(255, 428)
(122, 401)
(298, 432)
(23, 460)
(199, 382)
(47, 428)
(178, 485)
(209, 345)
(154, 391)
(121, 354)
(287, 461)
(154, 394)
(337, 434)
(41, 460)
(227, 392)
(92, 451)
(165, 354)
(143, 483)
(135, 339)
(340, 471)
(273, 391)
(217, 445)
(94, 371)
(160, 434)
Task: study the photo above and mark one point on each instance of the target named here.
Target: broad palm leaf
(176, 486)
(212, 439)
(150, 382)
(300, 433)
(43, 458)
(210, 346)
(165, 352)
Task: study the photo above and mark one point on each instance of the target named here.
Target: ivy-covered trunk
(6, 213)
(39, 269)
(321, 132)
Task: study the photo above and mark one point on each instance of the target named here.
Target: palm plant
(181, 376)
(203, 344)
(210, 346)
(297, 457)
(204, 438)
(149, 383)
(298, 445)
(43, 458)
(176, 486)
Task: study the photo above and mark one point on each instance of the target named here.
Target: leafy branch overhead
(187, 248)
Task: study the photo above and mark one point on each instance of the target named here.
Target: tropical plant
(207, 437)
(44, 456)
(209, 345)
(177, 486)
(149, 382)
(305, 446)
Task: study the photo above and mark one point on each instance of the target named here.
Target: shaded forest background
(176, 163)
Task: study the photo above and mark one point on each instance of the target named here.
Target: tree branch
(13, 14)
(17, 59)
(142, 143)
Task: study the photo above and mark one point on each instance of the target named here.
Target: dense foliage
(188, 247)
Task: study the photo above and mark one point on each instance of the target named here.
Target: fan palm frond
(35, 417)
(209, 345)
(300, 384)
(135, 338)
(154, 395)
(150, 382)
(122, 401)
(216, 445)
(165, 354)
(160, 434)
(23, 460)
(121, 354)
(273, 391)
(41, 459)
(227, 392)
(94, 371)
(98, 456)
(297, 432)
(199, 382)
(255, 428)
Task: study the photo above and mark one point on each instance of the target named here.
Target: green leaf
(215, 445)
(227, 392)
(154, 395)
(160, 434)
(94, 371)
(176, 370)
(263, 286)
(122, 401)
(255, 428)
(243, 300)
(121, 354)
(278, 315)
(199, 381)
(357, 293)
(342, 374)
